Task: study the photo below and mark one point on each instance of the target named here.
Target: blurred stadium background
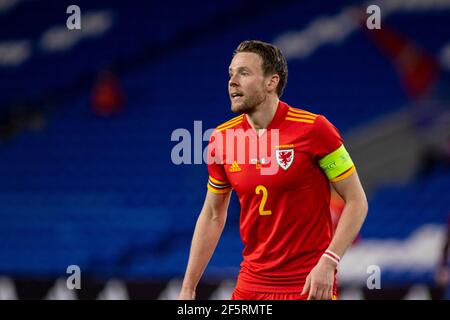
(86, 118)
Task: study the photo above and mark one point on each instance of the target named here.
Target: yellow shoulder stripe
(229, 126)
(300, 120)
(304, 116)
(230, 121)
(302, 112)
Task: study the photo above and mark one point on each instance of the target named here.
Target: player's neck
(263, 114)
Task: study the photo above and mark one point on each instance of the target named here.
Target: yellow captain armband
(337, 165)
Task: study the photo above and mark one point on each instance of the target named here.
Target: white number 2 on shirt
(265, 194)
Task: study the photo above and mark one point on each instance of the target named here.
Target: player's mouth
(236, 95)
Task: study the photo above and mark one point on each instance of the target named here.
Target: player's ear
(272, 82)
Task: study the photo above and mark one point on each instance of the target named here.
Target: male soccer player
(285, 222)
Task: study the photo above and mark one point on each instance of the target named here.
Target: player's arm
(341, 172)
(337, 165)
(319, 283)
(353, 214)
(208, 229)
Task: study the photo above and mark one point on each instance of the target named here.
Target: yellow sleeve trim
(217, 181)
(344, 175)
(216, 191)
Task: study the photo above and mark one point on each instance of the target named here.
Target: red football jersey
(285, 221)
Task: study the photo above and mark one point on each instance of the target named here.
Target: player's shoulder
(302, 116)
(311, 124)
(232, 123)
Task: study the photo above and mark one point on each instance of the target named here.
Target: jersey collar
(278, 118)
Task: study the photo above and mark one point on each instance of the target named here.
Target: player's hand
(320, 281)
(186, 294)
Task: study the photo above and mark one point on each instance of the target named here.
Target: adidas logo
(235, 167)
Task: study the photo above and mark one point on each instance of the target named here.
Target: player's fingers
(326, 293)
(307, 285)
(313, 292)
(330, 293)
(332, 290)
(320, 294)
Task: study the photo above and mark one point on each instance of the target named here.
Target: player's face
(246, 85)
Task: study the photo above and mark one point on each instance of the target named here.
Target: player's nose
(233, 82)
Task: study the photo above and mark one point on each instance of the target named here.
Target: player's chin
(237, 107)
